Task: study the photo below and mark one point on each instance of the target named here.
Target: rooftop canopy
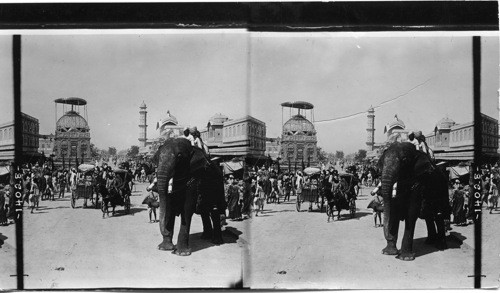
(71, 101)
(298, 105)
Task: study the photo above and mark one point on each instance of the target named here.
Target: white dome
(72, 121)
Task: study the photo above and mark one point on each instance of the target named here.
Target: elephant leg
(217, 230)
(207, 225)
(441, 233)
(431, 231)
(413, 211)
(391, 227)
(167, 221)
(406, 252)
(182, 247)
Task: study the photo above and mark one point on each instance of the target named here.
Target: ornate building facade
(449, 140)
(245, 136)
(168, 126)
(72, 139)
(396, 130)
(455, 142)
(298, 143)
(30, 131)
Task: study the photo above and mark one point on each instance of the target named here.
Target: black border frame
(254, 16)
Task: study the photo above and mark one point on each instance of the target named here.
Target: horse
(109, 197)
(340, 198)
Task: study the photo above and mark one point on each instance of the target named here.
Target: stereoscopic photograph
(242, 159)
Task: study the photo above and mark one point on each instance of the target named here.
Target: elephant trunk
(389, 176)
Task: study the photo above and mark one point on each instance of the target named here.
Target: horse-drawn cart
(311, 191)
(119, 191)
(344, 196)
(84, 185)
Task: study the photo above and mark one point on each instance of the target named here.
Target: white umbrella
(311, 170)
(86, 167)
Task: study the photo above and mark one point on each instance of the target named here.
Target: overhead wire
(375, 107)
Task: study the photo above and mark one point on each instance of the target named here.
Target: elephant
(422, 192)
(197, 186)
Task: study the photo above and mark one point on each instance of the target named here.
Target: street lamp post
(52, 160)
(73, 147)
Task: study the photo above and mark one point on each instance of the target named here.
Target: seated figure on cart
(121, 186)
(343, 196)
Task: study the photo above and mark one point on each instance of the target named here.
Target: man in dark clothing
(485, 188)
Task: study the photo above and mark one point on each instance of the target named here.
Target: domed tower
(442, 132)
(72, 135)
(143, 124)
(214, 129)
(299, 142)
(169, 126)
(370, 141)
(395, 130)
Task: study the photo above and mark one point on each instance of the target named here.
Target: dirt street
(281, 248)
(300, 250)
(77, 248)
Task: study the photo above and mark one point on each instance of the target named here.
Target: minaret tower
(142, 124)
(370, 141)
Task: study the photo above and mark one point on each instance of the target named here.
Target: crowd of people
(249, 194)
(245, 196)
(461, 196)
(43, 182)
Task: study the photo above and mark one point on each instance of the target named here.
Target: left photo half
(125, 155)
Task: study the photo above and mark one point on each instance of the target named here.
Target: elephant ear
(423, 164)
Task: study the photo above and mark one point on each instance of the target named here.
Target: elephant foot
(182, 252)
(166, 244)
(406, 256)
(441, 244)
(390, 250)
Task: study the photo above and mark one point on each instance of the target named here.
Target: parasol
(312, 170)
(86, 167)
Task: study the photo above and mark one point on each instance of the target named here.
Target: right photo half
(370, 147)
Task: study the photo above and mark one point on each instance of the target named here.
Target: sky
(196, 74)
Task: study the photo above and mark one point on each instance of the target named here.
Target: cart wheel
(329, 211)
(103, 207)
(127, 204)
(352, 207)
(73, 199)
(298, 204)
